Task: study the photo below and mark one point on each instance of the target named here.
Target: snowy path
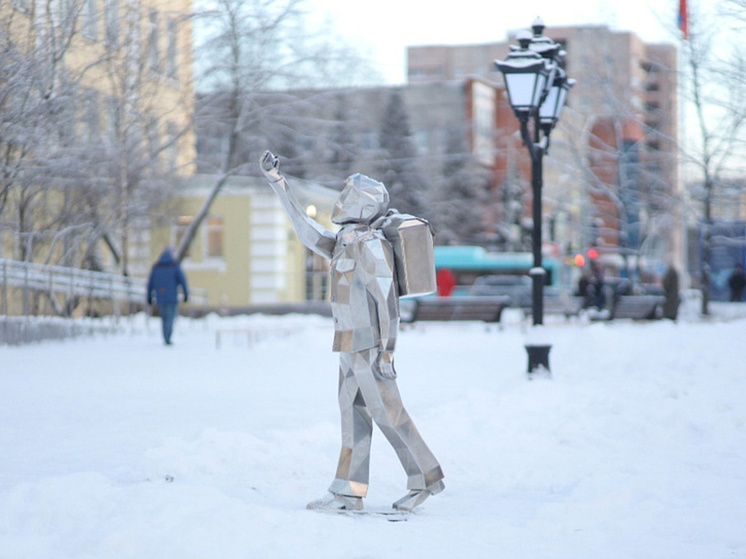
(119, 447)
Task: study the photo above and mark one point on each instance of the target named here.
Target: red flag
(684, 19)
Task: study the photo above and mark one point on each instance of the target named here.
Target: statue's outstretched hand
(385, 365)
(270, 166)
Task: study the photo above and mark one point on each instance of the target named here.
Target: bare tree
(149, 103)
(399, 164)
(621, 153)
(89, 136)
(735, 10)
(36, 119)
(249, 47)
(715, 89)
(462, 192)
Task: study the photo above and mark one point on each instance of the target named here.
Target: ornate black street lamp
(537, 88)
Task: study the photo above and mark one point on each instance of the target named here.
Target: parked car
(518, 288)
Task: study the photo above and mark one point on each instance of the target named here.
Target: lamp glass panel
(521, 89)
(561, 101)
(549, 107)
(541, 84)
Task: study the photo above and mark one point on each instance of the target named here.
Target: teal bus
(467, 263)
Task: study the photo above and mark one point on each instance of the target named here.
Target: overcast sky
(385, 28)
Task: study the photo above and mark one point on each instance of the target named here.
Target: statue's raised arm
(309, 231)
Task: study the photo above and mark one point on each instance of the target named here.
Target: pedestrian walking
(737, 283)
(166, 277)
(671, 292)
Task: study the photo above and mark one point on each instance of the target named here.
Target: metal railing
(73, 282)
(19, 330)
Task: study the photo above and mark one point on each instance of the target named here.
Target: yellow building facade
(138, 49)
(245, 251)
(132, 65)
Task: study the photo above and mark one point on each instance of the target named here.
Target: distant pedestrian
(737, 283)
(599, 284)
(671, 292)
(165, 278)
(445, 281)
(584, 289)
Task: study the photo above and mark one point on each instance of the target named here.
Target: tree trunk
(186, 240)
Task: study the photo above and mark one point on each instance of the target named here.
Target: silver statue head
(362, 200)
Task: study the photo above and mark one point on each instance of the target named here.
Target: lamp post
(537, 88)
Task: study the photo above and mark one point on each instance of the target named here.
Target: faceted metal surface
(363, 200)
(309, 231)
(365, 397)
(365, 308)
(412, 240)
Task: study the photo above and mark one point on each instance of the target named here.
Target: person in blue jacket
(165, 278)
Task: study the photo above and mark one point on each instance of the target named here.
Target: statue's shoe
(333, 502)
(417, 497)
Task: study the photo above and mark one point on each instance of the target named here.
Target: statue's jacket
(364, 298)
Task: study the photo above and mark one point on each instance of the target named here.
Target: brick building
(614, 158)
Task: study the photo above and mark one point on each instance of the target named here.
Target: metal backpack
(414, 254)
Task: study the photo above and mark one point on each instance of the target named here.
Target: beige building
(130, 62)
(125, 67)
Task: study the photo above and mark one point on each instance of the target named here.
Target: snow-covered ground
(119, 447)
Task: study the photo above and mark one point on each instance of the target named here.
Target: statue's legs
(364, 398)
(357, 428)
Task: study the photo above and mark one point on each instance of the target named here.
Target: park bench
(484, 309)
(638, 307)
(560, 305)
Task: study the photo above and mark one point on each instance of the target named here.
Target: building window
(215, 233)
(172, 49)
(62, 12)
(179, 230)
(172, 147)
(417, 73)
(422, 141)
(112, 22)
(212, 236)
(441, 140)
(112, 119)
(21, 5)
(369, 139)
(153, 55)
(91, 115)
(153, 143)
(90, 19)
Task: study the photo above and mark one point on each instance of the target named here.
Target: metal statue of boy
(365, 308)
